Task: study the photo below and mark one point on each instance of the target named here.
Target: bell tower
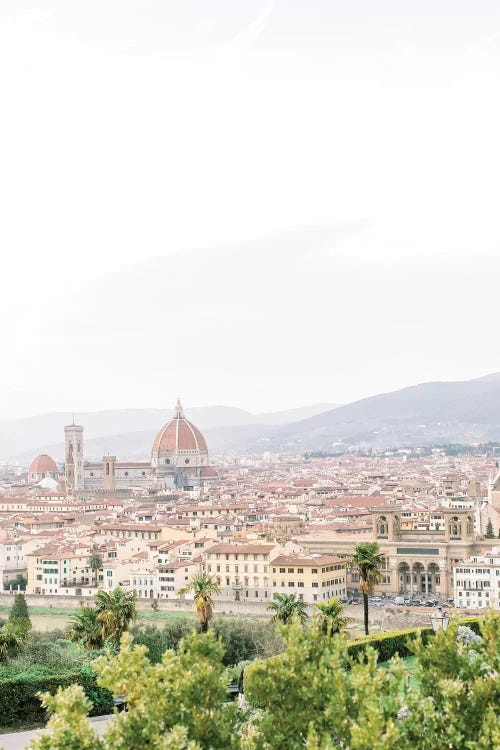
(73, 465)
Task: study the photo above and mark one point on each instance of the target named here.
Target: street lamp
(440, 620)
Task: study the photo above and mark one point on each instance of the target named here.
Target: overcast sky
(246, 202)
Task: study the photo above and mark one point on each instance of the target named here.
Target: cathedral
(179, 459)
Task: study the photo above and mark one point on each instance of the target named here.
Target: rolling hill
(462, 411)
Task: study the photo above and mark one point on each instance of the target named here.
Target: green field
(45, 619)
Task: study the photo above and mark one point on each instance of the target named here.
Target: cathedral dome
(179, 435)
(43, 465)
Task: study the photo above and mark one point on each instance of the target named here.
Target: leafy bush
(158, 640)
(246, 639)
(388, 645)
(301, 699)
(243, 639)
(19, 693)
(399, 642)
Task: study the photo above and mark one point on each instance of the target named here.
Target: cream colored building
(242, 570)
(313, 578)
(61, 569)
(476, 583)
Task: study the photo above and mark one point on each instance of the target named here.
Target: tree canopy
(204, 588)
(313, 696)
(287, 607)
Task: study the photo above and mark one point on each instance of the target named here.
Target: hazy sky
(255, 203)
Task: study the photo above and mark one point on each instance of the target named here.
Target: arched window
(382, 526)
(167, 460)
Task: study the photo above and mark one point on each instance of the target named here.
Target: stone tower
(73, 465)
(109, 473)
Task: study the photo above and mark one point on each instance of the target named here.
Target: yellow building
(314, 578)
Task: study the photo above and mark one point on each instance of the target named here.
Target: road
(21, 740)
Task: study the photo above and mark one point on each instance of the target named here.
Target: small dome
(179, 435)
(43, 464)
(208, 472)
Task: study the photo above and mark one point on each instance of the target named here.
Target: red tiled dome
(179, 435)
(43, 464)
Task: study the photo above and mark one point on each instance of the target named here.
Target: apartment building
(476, 582)
(313, 578)
(61, 569)
(242, 570)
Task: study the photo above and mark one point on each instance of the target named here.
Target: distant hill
(464, 411)
(129, 433)
(438, 412)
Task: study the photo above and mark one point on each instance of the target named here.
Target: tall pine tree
(490, 534)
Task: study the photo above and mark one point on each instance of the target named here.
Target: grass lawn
(409, 663)
(141, 614)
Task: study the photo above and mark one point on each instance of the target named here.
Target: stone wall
(164, 605)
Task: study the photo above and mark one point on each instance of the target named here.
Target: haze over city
(259, 204)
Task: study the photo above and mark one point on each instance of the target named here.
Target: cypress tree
(489, 530)
(19, 614)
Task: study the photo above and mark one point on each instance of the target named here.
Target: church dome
(43, 464)
(179, 435)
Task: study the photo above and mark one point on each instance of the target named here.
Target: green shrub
(158, 640)
(388, 644)
(399, 642)
(243, 639)
(19, 693)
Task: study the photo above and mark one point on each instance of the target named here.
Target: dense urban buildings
(261, 524)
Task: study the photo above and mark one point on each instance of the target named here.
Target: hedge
(395, 642)
(19, 702)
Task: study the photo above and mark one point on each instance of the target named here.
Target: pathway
(21, 740)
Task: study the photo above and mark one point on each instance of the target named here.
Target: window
(314, 570)
(186, 461)
(300, 570)
(282, 570)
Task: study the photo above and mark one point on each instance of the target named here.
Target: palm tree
(286, 607)
(369, 561)
(95, 563)
(204, 587)
(86, 629)
(331, 617)
(115, 611)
